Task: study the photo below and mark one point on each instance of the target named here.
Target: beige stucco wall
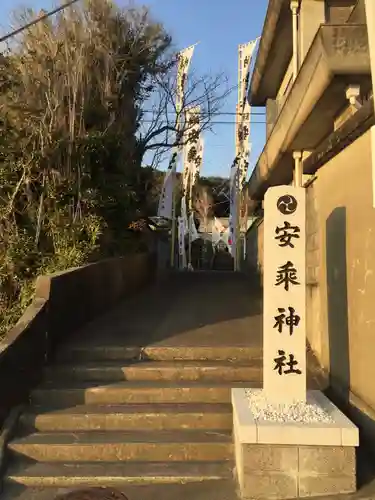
(313, 313)
(342, 195)
(311, 16)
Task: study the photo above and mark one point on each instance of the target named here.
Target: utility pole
(38, 20)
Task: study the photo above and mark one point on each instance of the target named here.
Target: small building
(313, 75)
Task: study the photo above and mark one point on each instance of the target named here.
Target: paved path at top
(188, 309)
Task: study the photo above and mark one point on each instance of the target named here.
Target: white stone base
(279, 460)
(340, 432)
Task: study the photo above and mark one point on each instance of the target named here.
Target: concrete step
(63, 395)
(205, 490)
(116, 474)
(125, 417)
(161, 352)
(224, 371)
(141, 446)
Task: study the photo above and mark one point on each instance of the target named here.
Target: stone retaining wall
(62, 303)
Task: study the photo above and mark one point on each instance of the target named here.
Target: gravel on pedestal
(300, 412)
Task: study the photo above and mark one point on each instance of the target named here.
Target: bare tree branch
(160, 130)
(203, 203)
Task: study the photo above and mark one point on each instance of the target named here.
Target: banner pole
(245, 53)
(189, 220)
(173, 231)
(237, 228)
(239, 149)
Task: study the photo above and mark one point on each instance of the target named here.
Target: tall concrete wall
(312, 275)
(346, 274)
(63, 303)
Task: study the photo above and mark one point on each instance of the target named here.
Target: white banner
(215, 235)
(244, 165)
(196, 168)
(165, 208)
(166, 196)
(194, 235)
(246, 53)
(241, 164)
(192, 139)
(233, 193)
(184, 59)
(184, 213)
(219, 233)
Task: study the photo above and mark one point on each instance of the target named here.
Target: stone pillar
(353, 94)
(288, 442)
(298, 169)
(284, 295)
(294, 5)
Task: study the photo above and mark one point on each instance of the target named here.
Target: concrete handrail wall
(63, 302)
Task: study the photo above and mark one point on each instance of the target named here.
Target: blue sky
(220, 26)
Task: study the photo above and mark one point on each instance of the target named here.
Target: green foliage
(70, 172)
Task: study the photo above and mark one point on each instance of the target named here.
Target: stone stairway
(132, 417)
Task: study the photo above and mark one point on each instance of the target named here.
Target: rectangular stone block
(327, 460)
(281, 348)
(290, 459)
(298, 434)
(270, 458)
(269, 485)
(310, 486)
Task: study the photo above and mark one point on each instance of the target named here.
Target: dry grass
(73, 134)
(70, 93)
